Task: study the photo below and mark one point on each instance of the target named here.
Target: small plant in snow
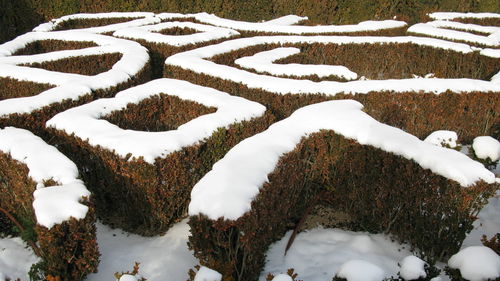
(130, 275)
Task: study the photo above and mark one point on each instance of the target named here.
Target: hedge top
(197, 60)
(133, 59)
(459, 32)
(149, 33)
(53, 204)
(84, 121)
(137, 19)
(229, 188)
(282, 25)
(262, 62)
(455, 15)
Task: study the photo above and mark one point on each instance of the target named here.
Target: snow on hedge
(443, 138)
(69, 85)
(198, 60)
(150, 33)
(84, 121)
(207, 274)
(486, 147)
(455, 15)
(137, 19)
(360, 270)
(476, 263)
(282, 25)
(53, 204)
(263, 62)
(228, 189)
(412, 268)
(458, 31)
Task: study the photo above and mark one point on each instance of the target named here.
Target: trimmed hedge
(13, 88)
(147, 198)
(381, 191)
(50, 45)
(469, 114)
(69, 250)
(90, 22)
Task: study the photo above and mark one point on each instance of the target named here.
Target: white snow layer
(277, 26)
(165, 257)
(53, 204)
(454, 15)
(441, 29)
(476, 263)
(150, 33)
(443, 138)
(207, 274)
(229, 188)
(318, 254)
(197, 60)
(263, 63)
(282, 277)
(412, 268)
(360, 270)
(128, 277)
(84, 121)
(16, 259)
(137, 19)
(486, 147)
(69, 86)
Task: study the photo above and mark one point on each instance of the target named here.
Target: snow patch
(282, 277)
(486, 147)
(360, 270)
(443, 138)
(207, 274)
(128, 277)
(476, 263)
(16, 259)
(455, 15)
(412, 268)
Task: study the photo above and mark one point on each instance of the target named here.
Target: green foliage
(37, 271)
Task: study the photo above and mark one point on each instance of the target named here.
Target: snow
(476, 263)
(234, 181)
(143, 18)
(282, 277)
(488, 223)
(454, 15)
(263, 62)
(198, 61)
(441, 29)
(360, 270)
(412, 268)
(207, 274)
(164, 257)
(15, 259)
(84, 121)
(128, 277)
(150, 33)
(486, 147)
(277, 26)
(443, 138)
(53, 204)
(318, 254)
(69, 86)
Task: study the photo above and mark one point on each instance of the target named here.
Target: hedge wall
(69, 249)
(382, 192)
(417, 113)
(22, 15)
(147, 198)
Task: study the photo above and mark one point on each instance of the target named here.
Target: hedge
(381, 191)
(68, 249)
(139, 194)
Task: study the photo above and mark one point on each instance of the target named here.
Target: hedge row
(79, 23)
(382, 192)
(147, 198)
(68, 250)
(21, 16)
(417, 113)
(85, 65)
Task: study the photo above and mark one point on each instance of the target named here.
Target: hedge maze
(243, 126)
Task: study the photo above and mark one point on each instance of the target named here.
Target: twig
(35, 248)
